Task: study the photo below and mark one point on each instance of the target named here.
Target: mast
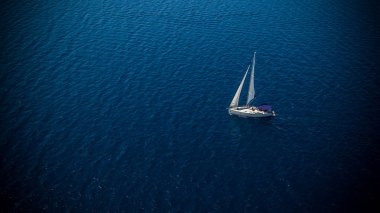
(235, 100)
(251, 90)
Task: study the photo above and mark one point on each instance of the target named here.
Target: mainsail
(235, 100)
(251, 90)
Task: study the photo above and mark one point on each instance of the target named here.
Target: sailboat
(249, 110)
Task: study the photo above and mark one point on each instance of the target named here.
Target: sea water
(120, 106)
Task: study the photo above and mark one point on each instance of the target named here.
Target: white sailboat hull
(250, 112)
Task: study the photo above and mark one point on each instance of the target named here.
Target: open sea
(120, 106)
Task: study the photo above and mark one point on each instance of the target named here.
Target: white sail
(235, 100)
(251, 90)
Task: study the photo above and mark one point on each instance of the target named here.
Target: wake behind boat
(263, 110)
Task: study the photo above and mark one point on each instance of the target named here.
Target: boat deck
(250, 112)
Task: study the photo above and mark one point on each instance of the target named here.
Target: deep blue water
(121, 106)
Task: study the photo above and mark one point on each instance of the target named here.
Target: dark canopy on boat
(265, 107)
